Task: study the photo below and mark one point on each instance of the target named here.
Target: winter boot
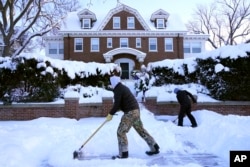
(194, 126)
(124, 155)
(155, 151)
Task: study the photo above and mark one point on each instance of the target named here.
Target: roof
(107, 9)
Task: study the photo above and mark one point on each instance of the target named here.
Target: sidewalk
(203, 159)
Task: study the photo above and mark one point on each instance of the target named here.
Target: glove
(109, 117)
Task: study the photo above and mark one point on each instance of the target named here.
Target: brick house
(124, 36)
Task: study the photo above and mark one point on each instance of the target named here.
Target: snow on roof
(102, 8)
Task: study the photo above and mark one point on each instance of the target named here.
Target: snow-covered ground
(50, 142)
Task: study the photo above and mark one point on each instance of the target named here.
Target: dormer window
(160, 24)
(87, 18)
(86, 24)
(131, 22)
(116, 23)
(159, 18)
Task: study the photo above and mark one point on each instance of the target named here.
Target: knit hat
(176, 90)
(114, 80)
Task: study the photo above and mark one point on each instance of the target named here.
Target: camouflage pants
(128, 120)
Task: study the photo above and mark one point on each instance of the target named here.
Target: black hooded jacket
(184, 96)
(124, 100)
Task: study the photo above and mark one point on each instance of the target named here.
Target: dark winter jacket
(184, 96)
(124, 100)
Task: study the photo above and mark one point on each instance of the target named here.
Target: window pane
(168, 44)
(152, 44)
(196, 47)
(94, 44)
(138, 42)
(116, 22)
(196, 50)
(123, 42)
(160, 23)
(131, 22)
(78, 44)
(109, 43)
(52, 48)
(187, 47)
(86, 23)
(61, 50)
(187, 50)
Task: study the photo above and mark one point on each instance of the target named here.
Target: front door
(125, 70)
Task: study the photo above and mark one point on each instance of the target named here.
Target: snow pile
(47, 142)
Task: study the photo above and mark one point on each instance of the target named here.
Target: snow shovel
(78, 154)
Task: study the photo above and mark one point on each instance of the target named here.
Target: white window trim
(131, 21)
(188, 47)
(160, 22)
(75, 40)
(83, 25)
(93, 44)
(109, 40)
(57, 48)
(124, 39)
(114, 22)
(138, 41)
(191, 47)
(149, 42)
(194, 46)
(165, 44)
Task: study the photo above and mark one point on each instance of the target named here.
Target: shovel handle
(93, 134)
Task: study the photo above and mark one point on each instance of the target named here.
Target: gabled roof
(159, 14)
(104, 12)
(86, 14)
(121, 7)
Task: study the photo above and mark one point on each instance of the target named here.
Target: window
(160, 23)
(78, 44)
(192, 47)
(86, 24)
(52, 48)
(187, 47)
(123, 42)
(109, 43)
(152, 44)
(168, 44)
(94, 44)
(196, 47)
(61, 48)
(138, 42)
(56, 48)
(131, 22)
(116, 23)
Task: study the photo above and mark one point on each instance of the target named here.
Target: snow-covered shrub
(27, 78)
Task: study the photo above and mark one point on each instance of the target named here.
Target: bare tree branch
(227, 22)
(23, 20)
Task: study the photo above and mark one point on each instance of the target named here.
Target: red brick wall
(225, 108)
(72, 109)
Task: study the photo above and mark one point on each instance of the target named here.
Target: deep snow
(50, 142)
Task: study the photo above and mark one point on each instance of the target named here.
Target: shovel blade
(77, 154)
